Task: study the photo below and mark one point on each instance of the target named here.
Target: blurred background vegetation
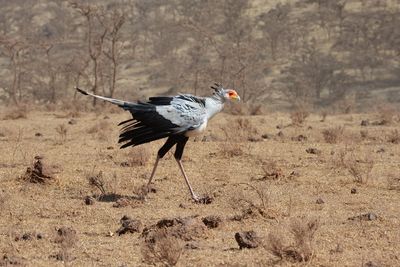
(278, 54)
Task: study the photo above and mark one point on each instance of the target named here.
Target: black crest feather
(217, 87)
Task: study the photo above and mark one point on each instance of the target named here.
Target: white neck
(213, 105)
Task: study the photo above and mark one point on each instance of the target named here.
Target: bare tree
(96, 34)
(15, 51)
(114, 46)
(275, 25)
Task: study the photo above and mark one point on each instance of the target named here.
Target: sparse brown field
(299, 203)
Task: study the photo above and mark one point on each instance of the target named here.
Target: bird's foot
(142, 192)
(202, 199)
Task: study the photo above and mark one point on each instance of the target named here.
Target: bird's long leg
(154, 170)
(161, 153)
(178, 156)
(194, 196)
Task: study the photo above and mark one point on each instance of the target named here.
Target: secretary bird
(176, 117)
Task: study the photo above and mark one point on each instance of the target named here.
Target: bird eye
(231, 93)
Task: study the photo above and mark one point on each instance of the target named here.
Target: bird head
(230, 94)
(226, 94)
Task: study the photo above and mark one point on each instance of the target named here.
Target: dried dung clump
(370, 216)
(38, 172)
(247, 239)
(187, 228)
(129, 225)
(212, 221)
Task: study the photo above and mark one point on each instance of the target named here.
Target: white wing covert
(186, 111)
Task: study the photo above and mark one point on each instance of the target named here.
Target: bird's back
(161, 117)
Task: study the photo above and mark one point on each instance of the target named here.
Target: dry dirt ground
(336, 205)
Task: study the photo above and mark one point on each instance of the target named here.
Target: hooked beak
(236, 98)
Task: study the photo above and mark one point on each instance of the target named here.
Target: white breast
(197, 131)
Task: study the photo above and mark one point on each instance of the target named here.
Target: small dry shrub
(254, 201)
(359, 166)
(387, 114)
(364, 134)
(299, 248)
(345, 106)
(141, 192)
(360, 170)
(100, 130)
(333, 135)
(138, 156)
(299, 115)
(245, 109)
(163, 248)
(393, 181)
(97, 181)
(17, 112)
(240, 129)
(73, 109)
(324, 114)
(62, 132)
(67, 239)
(237, 109)
(271, 170)
(394, 137)
(5, 132)
(4, 199)
(256, 110)
(231, 149)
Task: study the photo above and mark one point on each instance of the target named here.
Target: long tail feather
(121, 103)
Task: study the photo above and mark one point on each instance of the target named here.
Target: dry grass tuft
(141, 192)
(271, 170)
(73, 109)
(299, 115)
(231, 149)
(163, 248)
(387, 115)
(240, 130)
(333, 135)
(245, 109)
(17, 112)
(393, 181)
(97, 181)
(257, 110)
(300, 247)
(364, 134)
(358, 165)
(236, 109)
(255, 201)
(101, 130)
(62, 133)
(163, 240)
(324, 114)
(67, 239)
(394, 137)
(138, 156)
